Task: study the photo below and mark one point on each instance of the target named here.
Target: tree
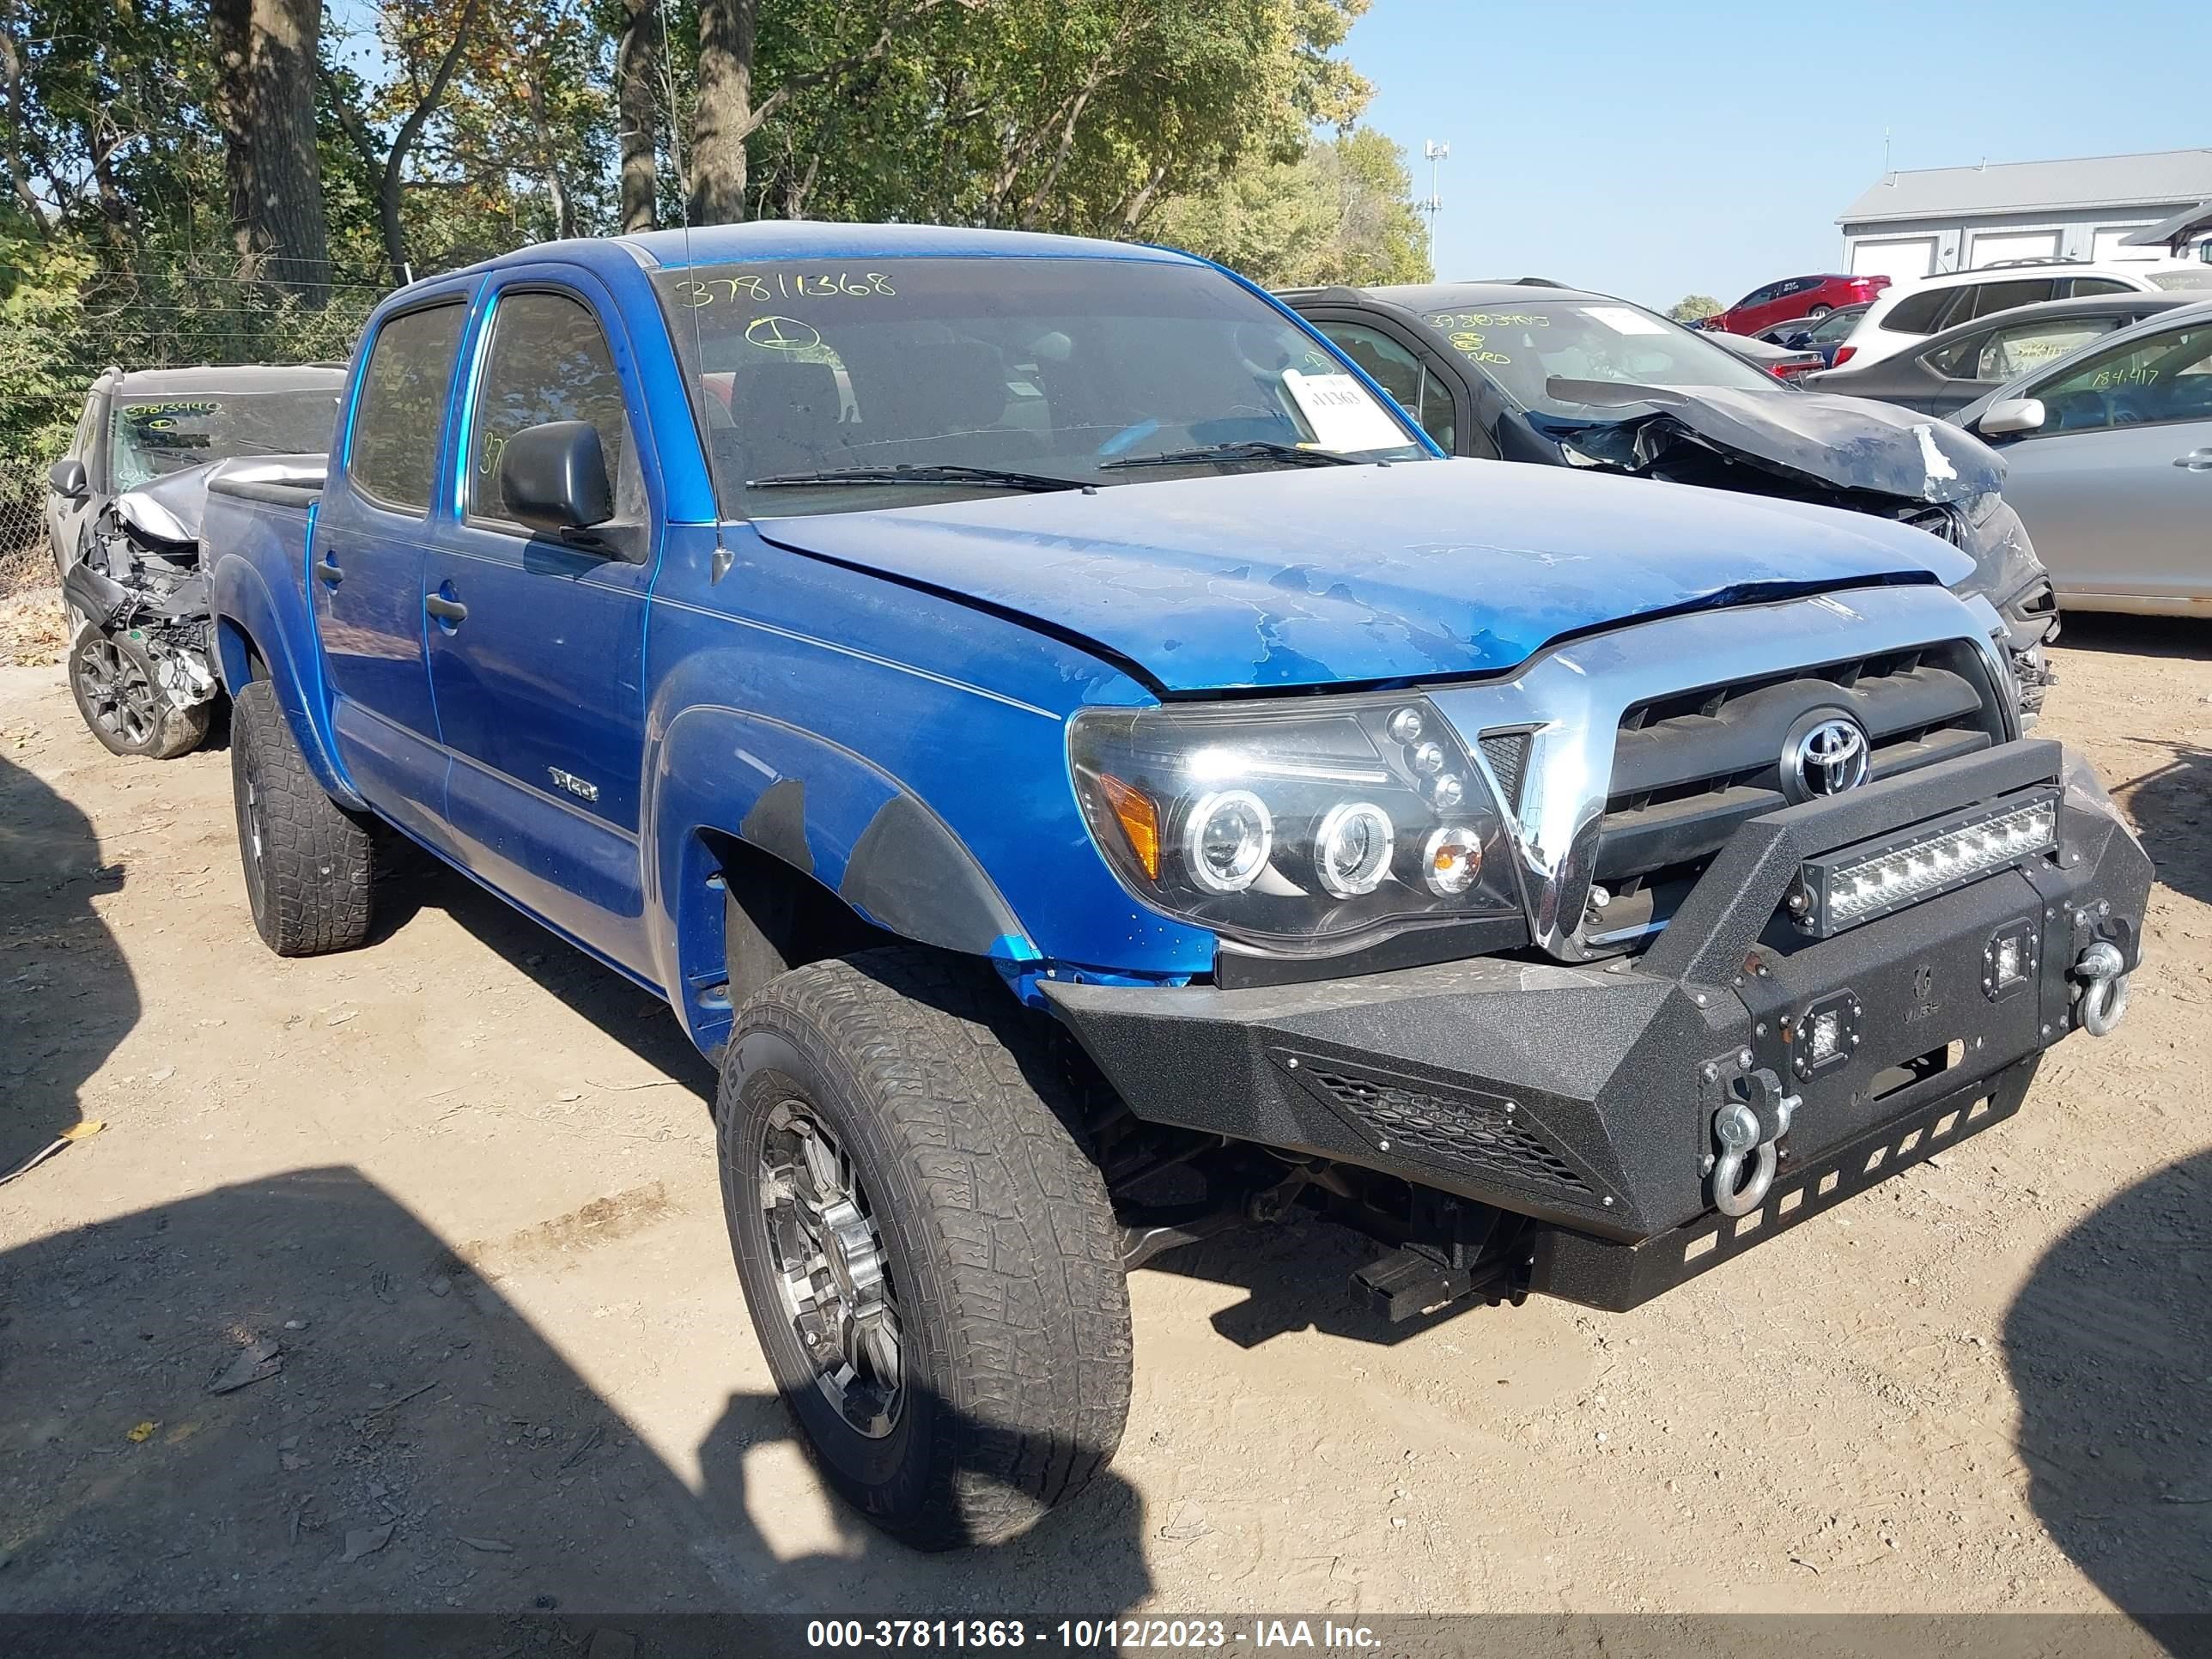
(1342, 212)
(268, 51)
(641, 59)
(1066, 115)
(1694, 308)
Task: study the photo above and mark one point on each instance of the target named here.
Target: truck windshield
(1522, 345)
(835, 386)
(155, 435)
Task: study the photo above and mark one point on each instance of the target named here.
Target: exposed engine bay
(138, 578)
(141, 664)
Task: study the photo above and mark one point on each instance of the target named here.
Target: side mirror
(69, 478)
(2012, 414)
(554, 478)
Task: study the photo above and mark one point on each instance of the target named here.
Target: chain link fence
(24, 559)
(68, 322)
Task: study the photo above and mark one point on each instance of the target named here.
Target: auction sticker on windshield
(1621, 320)
(1342, 415)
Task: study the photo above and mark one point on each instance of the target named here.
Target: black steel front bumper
(1583, 1096)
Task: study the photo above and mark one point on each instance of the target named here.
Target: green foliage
(1339, 213)
(1066, 115)
(1694, 308)
(1225, 126)
(41, 324)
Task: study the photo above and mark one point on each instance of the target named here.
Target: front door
(66, 515)
(366, 567)
(536, 643)
(2116, 488)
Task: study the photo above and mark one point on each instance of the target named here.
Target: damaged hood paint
(1334, 574)
(1842, 443)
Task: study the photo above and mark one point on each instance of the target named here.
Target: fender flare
(245, 614)
(826, 812)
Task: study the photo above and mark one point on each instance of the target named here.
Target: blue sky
(1656, 150)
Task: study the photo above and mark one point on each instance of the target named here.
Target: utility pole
(1435, 154)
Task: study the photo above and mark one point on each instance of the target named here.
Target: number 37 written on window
(786, 285)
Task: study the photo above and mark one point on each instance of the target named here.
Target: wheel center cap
(855, 1262)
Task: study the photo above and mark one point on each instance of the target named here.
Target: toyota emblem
(1828, 758)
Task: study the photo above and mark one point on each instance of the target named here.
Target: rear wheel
(307, 860)
(1817, 312)
(113, 680)
(930, 1258)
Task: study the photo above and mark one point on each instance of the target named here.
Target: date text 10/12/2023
(1091, 1635)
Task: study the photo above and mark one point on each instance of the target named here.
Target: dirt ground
(463, 1182)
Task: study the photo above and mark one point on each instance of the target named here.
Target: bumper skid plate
(1586, 1098)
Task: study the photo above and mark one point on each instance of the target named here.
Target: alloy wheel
(832, 1272)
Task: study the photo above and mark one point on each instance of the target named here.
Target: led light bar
(1842, 890)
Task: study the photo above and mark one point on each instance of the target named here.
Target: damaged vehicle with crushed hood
(123, 518)
(1523, 371)
(1089, 773)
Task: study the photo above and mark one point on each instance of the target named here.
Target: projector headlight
(1297, 825)
(1842, 889)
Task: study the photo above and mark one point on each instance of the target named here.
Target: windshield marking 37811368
(833, 383)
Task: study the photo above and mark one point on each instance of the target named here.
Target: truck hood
(1821, 438)
(1359, 573)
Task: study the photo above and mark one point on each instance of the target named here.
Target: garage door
(1900, 259)
(1989, 247)
(2106, 248)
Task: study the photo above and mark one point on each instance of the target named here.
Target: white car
(1905, 315)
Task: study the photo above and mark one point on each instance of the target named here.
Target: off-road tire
(162, 730)
(307, 860)
(1001, 1246)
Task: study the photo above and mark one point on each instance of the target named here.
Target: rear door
(537, 647)
(1966, 369)
(366, 564)
(2116, 489)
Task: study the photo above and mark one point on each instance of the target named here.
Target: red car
(1794, 297)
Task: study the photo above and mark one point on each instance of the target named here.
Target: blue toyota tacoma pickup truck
(1091, 772)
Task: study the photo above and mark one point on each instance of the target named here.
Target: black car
(1952, 369)
(123, 517)
(1528, 372)
(1825, 335)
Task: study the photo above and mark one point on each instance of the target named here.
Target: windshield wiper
(991, 477)
(1256, 449)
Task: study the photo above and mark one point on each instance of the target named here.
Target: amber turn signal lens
(1139, 820)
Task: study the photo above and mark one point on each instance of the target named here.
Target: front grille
(1943, 521)
(1689, 767)
(1479, 1133)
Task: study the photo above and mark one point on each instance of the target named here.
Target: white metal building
(1918, 223)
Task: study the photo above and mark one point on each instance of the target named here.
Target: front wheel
(118, 692)
(931, 1261)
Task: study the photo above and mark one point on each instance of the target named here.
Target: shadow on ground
(61, 1017)
(2137, 636)
(416, 1445)
(2110, 1350)
(410, 880)
(1297, 1276)
(2169, 794)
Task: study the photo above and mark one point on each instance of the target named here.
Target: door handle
(327, 571)
(2196, 460)
(443, 609)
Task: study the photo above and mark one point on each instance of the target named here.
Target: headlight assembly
(1295, 826)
